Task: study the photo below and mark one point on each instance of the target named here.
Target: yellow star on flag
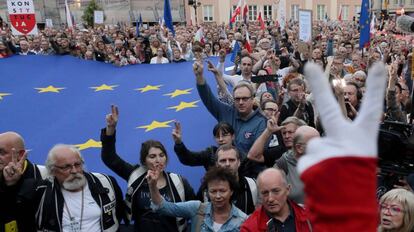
(50, 88)
(103, 87)
(89, 144)
(4, 94)
(184, 105)
(155, 125)
(178, 92)
(149, 88)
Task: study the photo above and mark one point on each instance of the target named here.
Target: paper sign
(22, 17)
(305, 25)
(98, 17)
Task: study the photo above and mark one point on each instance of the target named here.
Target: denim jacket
(189, 210)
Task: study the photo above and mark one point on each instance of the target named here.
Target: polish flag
(247, 43)
(68, 16)
(259, 18)
(340, 13)
(199, 36)
(245, 11)
(372, 25)
(236, 12)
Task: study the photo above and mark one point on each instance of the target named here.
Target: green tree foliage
(87, 16)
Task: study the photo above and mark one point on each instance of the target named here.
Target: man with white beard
(71, 199)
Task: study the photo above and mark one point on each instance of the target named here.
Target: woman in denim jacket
(218, 215)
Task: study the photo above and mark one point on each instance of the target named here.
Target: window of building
(357, 10)
(345, 12)
(294, 12)
(208, 13)
(320, 12)
(267, 12)
(252, 12)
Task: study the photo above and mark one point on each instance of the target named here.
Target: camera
(395, 153)
(265, 78)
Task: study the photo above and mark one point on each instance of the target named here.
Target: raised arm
(256, 151)
(214, 106)
(186, 156)
(159, 204)
(108, 152)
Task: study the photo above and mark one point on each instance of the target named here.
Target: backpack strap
(201, 214)
(178, 183)
(253, 189)
(42, 170)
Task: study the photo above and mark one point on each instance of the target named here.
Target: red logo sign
(24, 23)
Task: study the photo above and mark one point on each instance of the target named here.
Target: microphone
(405, 23)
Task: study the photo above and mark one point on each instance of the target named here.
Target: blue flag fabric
(236, 50)
(50, 100)
(364, 24)
(138, 27)
(230, 23)
(167, 16)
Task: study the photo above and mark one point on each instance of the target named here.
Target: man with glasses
(248, 123)
(297, 105)
(71, 199)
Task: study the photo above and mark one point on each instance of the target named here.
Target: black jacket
(145, 219)
(9, 210)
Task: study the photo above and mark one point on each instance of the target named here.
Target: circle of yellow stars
(105, 87)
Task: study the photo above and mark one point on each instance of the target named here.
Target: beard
(74, 182)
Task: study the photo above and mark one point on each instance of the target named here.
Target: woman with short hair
(397, 211)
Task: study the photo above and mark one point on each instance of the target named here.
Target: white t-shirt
(216, 226)
(154, 60)
(91, 212)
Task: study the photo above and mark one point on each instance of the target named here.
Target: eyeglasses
(393, 210)
(270, 109)
(69, 167)
(243, 99)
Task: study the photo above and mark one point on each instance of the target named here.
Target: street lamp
(195, 4)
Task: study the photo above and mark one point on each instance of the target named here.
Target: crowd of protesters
(265, 111)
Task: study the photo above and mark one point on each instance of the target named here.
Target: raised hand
(152, 177)
(347, 145)
(222, 55)
(14, 170)
(177, 133)
(272, 123)
(198, 71)
(112, 120)
(211, 68)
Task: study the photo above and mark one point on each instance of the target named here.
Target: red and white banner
(22, 17)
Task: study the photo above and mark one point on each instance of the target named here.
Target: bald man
(276, 213)
(12, 149)
(289, 160)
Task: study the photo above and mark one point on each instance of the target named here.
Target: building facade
(218, 11)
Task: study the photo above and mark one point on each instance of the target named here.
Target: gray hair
(292, 119)
(244, 84)
(51, 156)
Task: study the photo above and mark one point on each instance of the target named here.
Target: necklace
(72, 219)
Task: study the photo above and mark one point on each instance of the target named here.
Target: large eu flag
(364, 24)
(50, 100)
